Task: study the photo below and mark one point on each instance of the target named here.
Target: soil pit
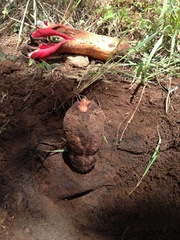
(42, 198)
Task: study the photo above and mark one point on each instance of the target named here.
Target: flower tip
(34, 54)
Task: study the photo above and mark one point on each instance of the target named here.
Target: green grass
(153, 55)
(151, 162)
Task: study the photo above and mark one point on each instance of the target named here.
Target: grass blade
(154, 50)
(58, 151)
(152, 160)
(164, 8)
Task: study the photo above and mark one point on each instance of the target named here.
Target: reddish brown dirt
(42, 198)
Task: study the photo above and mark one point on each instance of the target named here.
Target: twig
(22, 24)
(117, 135)
(169, 94)
(68, 9)
(134, 112)
(16, 20)
(1, 129)
(35, 12)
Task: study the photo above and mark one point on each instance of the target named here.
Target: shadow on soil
(147, 220)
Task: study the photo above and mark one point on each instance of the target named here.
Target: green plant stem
(152, 160)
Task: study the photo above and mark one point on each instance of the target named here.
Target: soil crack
(83, 193)
(77, 195)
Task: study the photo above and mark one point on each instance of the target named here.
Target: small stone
(76, 60)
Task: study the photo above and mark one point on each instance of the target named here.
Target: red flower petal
(46, 32)
(45, 50)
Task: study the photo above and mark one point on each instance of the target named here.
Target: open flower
(75, 41)
(44, 50)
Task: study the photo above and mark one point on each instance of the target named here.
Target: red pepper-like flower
(76, 41)
(44, 50)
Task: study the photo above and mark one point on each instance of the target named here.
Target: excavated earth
(42, 198)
